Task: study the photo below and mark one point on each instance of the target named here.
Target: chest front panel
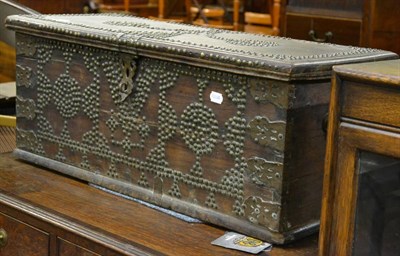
(155, 128)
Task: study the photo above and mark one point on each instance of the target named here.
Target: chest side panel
(203, 142)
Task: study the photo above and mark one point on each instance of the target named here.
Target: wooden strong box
(222, 126)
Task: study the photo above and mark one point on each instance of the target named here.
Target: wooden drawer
(21, 239)
(371, 102)
(344, 31)
(66, 248)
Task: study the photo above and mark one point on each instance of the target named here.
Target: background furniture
(7, 133)
(172, 10)
(144, 8)
(44, 213)
(201, 13)
(7, 98)
(369, 23)
(60, 6)
(361, 196)
(7, 75)
(266, 22)
(213, 13)
(7, 40)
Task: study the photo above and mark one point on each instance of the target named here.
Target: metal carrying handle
(327, 39)
(3, 237)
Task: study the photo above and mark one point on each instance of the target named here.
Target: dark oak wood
(22, 238)
(66, 248)
(369, 23)
(52, 7)
(299, 26)
(385, 100)
(370, 126)
(88, 220)
(381, 25)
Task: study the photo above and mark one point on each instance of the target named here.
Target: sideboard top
(387, 72)
(276, 57)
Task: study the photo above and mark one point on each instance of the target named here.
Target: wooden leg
(275, 17)
(236, 9)
(188, 4)
(161, 8)
(126, 5)
(200, 13)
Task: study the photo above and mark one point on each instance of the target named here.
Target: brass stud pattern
(60, 154)
(210, 201)
(94, 139)
(199, 128)
(238, 208)
(25, 45)
(265, 173)
(44, 125)
(23, 76)
(112, 170)
(25, 108)
(268, 133)
(126, 116)
(139, 34)
(235, 136)
(167, 117)
(197, 124)
(143, 181)
(261, 42)
(64, 136)
(175, 191)
(262, 212)
(113, 123)
(270, 92)
(26, 139)
(90, 95)
(44, 90)
(85, 163)
(67, 96)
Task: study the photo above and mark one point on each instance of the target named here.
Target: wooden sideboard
(361, 197)
(369, 23)
(45, 213)
(52, 7)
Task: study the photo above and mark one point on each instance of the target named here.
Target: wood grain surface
(77, 210)
(363, 116)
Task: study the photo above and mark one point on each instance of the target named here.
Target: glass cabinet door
(377, 212)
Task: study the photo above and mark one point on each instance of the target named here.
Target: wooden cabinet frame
(340, 202)
(347, 137)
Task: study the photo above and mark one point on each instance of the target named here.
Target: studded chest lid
(243, 53)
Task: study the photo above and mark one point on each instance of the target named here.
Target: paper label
(216, 97)
(243, 243)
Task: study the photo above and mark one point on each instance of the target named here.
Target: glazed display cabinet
(361, 194)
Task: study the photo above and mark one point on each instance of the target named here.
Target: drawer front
(377, 104)
(66, 248)
(346, 32)
(19, 238)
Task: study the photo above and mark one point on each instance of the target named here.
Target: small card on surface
(216, 97)
(240, 242)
